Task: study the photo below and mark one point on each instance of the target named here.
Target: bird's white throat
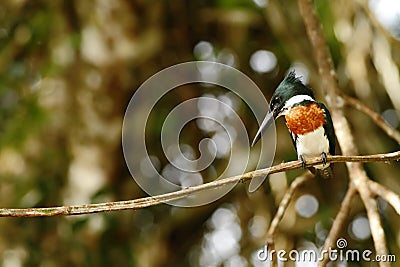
(297, 99)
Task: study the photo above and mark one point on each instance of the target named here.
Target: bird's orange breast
(305, 119)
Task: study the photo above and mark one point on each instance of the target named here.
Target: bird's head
(290, 92)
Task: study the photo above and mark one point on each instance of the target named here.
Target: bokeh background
(67, 72)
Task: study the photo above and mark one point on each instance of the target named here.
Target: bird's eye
(276, 101)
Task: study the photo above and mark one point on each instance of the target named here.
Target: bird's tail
(326, 173)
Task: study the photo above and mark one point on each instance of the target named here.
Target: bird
(308, 121)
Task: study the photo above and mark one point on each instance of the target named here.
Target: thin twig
(379, 121)
(366, 158)
(164, 198)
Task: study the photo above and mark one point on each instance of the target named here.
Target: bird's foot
(324, 158)
(303, 162)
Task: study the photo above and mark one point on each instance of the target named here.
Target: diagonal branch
(283, 206)
(164, 198)
(379, 121)
(391, 197)
(338, 223)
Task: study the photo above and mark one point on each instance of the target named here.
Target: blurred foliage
(67, 71)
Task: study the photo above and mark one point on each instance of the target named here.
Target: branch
(357, 174)
(376, 188)
(338, 223)
(357, 104)
(391, 197)
(378, 234)
(283, 206)
(155, 200)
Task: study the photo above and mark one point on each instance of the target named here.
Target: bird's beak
(269, 119)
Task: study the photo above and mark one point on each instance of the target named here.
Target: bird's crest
(291, 78)
(293, 84)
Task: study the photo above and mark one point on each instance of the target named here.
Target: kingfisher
(308, 121)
